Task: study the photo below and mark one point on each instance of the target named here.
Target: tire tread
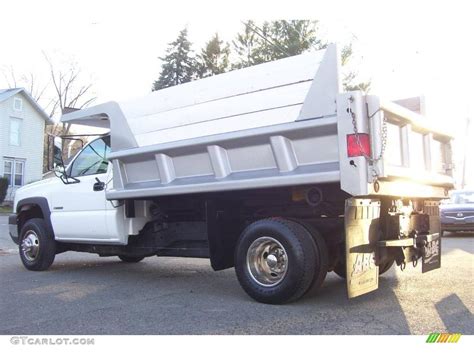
(47, 251)
(303, 245)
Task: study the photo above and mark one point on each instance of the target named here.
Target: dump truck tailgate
(401, 152)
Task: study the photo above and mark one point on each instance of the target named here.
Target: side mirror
(55, 154)
(58, 163)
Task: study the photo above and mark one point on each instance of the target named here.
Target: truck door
(79, 209)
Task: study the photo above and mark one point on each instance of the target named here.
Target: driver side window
(93, 159)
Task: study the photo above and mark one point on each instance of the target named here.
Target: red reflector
(354, 149)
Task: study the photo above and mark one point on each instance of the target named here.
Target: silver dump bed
(281, 123)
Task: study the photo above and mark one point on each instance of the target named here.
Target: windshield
(92, 159)
(465, 197)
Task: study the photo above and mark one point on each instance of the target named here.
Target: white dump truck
(270, 169)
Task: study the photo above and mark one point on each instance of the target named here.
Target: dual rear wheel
(279, 260)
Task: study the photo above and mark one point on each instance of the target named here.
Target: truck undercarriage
(208, 225)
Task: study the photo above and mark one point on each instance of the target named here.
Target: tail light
(360, 148)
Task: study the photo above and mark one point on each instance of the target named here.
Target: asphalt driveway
(86, 294)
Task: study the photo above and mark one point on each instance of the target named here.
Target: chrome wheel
(30, 246)
(267, 261)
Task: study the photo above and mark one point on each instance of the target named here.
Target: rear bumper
(13, 228)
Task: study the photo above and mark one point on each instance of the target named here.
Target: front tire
(37, 248)
(275, 260)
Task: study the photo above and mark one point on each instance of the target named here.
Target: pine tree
(246, 45)
(350, 75)
(280, 39)
(254, 45)
(274, 40)
(294, 37)
(179, 65)
(214, 58)
(266, 49)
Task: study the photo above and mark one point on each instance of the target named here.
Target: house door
(14, 171)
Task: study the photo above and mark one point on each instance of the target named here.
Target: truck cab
(79, 195)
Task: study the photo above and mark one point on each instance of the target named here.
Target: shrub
(3, 189)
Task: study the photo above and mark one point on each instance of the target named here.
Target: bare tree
(29, 82)
(65, 90)
(70, 92)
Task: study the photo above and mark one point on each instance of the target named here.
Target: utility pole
(466, 151)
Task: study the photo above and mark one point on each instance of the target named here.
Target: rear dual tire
(278, 261)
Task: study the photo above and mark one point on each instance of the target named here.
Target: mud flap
(361, 231)
(431, 255)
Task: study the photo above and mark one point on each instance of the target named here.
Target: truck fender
(35, 202)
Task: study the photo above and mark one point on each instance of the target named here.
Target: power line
(261, 35)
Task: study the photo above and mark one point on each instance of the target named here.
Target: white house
(22, 128)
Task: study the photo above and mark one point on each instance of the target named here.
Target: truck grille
(459, 214)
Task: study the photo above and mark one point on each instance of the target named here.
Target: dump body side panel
(291, 154)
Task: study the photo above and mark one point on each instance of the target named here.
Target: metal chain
(371, 160)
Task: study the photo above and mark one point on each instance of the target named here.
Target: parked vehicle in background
(271, 169)
(457, 213)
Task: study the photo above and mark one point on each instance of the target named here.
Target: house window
(14, 171)
(17, 104)
(15, 130)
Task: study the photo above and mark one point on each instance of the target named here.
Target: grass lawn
(5, 209)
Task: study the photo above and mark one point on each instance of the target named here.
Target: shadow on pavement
(455, 315)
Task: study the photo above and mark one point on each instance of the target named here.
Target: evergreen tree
(254, 45)
(349, 76)
(267, 47)
(214, 58)
(279, 39)
(294, 37)
(179, 65)
(274, 40)
(246, 45)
